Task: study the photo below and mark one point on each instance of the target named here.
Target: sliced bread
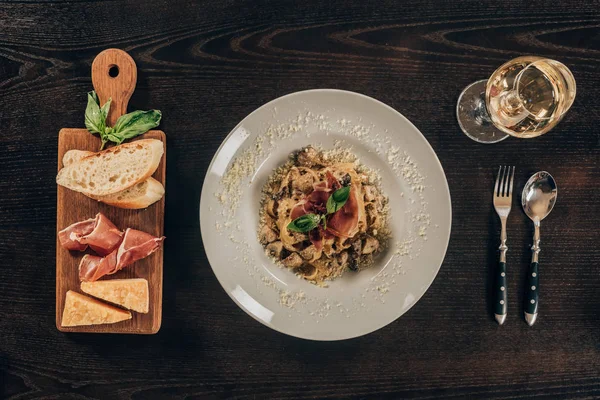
(84, 310)
(140, 195)
(72, 156)
(129, 293)
(113, 170)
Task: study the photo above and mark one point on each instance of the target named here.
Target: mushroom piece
(267, 235)
(293, 261)
(308, 157)
(357, 247)
(275, 249)
(370, 245)
(310, 253)
(342, 259)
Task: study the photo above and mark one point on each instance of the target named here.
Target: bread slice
(113, 170)
(129, 293)
(140, 195)
(84, 310)
(73, 156)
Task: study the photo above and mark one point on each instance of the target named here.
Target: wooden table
(209, 64)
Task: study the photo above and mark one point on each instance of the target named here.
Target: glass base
(473, 116)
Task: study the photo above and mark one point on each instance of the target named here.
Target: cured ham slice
(104, 238)
(344, 223)
(92, 268)
(135, 246)
(99, 233)
(317, 203)
(70, 236)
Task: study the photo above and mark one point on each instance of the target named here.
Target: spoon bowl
(539, 196)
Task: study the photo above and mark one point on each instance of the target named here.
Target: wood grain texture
(73, 207)
(206, 65)
(114, 76)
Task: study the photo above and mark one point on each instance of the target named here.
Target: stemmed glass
(525, 98)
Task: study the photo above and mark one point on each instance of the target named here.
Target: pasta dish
(322, 214)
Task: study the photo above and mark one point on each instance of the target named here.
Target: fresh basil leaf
(338, 199)
(104, 110)
(114, 138)
(304, 223)
(135, 123)
(93, 115)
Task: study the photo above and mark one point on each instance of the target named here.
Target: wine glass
(525, 98)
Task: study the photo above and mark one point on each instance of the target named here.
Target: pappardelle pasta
(323, 214)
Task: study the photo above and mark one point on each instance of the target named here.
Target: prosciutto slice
(92, 268)
(135, 246)
(99, 233)
(105, 237)
(344, 223)
(70, 236)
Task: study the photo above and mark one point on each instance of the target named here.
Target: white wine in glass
(525, 98)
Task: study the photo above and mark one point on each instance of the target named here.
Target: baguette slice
(129, 293)
(141, 195)
(72, 156)
(113, 170)
(83, 310)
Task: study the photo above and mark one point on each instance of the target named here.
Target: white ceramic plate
(356, 303)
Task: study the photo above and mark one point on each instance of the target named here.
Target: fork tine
(505, 181)
(497, 181)
(500, 194)
(512, 179)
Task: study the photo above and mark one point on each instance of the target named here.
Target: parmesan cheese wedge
(129, 293)
(83, 310)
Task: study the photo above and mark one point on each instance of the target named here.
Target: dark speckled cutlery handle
(532, 289)
(531, 294)
(501, 298)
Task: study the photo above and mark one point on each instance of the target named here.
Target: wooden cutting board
(73, 206)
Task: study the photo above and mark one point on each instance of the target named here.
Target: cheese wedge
(83, 310)
(128, 293)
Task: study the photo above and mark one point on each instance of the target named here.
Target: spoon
(538, 198)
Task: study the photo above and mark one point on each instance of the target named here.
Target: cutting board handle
(114, 75)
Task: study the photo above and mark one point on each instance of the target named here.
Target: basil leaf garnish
(338, 199)
(135, 123)
(93, 115)
(128, 126)
(305, 223)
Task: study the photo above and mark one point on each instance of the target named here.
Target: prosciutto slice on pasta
(344, 223)
(348, 238)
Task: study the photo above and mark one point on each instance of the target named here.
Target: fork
(502, 204)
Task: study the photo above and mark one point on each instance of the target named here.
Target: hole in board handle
(113, 71)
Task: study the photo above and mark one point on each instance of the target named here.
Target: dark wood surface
(208, 64)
